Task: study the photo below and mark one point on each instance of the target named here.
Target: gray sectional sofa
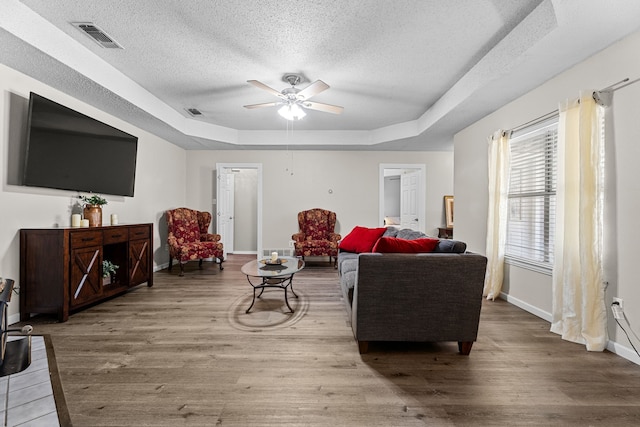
(426, 297)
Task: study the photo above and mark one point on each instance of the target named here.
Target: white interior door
(409, 184)
(225, 205)
(225, 195)
(412, 204)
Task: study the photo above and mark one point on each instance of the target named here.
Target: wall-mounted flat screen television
(70, 151)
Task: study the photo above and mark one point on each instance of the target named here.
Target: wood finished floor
(184, 353)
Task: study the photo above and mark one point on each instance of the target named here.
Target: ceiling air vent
(97, 35)
(194, 111)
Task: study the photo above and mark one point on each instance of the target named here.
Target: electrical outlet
(619, 301)
(291, 243)
(617, 312)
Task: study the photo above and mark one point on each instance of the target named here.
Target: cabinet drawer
(117, 235)
(138, 233)
(82, 239)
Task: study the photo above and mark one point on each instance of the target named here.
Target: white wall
(160, 177)
(297, 180)
(533, 290)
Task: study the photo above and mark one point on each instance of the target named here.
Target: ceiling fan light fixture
(293, 101)
(291, 112)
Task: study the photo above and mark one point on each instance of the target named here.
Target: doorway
(402, 195)
(239, 207)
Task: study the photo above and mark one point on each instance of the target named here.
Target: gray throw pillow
(408, 234)
(390, 232)
(451, 246)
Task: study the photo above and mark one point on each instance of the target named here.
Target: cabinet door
(86, 275)
(139, 259)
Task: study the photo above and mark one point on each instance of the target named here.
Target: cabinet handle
(87, 239)
(116, 235)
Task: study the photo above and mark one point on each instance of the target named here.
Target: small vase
(94, 214)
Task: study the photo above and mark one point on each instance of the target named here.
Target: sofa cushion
(349, 280)
(397, 245)
(361, 239)
(349, 265)
(344, 257)
(451, 246)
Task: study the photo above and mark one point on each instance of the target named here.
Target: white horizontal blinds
(532, 194)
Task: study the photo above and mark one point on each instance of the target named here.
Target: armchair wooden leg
(170, 263)
(465, 347)
(200, 264)
(363, 346)
(181, 269)
(221, 267)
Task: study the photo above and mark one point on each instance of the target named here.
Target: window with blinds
(532, 195)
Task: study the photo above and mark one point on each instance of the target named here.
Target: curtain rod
(609, 89)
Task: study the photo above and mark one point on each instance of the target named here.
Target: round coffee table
(278, 275)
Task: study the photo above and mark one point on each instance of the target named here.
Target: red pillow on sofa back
(395, 245)
(361, 239)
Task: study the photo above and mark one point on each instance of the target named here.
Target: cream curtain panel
(579, 311)
(499, 160)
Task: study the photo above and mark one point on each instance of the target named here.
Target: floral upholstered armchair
(316, 236)
(189, 238)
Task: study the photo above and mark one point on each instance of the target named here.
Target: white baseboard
(159, 267)
(14, 318)
(526, 307)
(612, 346)
(623, 351)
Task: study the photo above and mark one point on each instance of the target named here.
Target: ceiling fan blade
(313, 89)
(327, 108)
(267, 88)
(266, 104)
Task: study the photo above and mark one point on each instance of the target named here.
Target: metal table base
(283, 283)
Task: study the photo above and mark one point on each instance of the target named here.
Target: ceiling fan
(293, 101)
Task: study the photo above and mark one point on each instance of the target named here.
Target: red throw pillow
(395, 245)
(361, 239)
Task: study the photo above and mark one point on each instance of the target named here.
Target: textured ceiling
(409, 73)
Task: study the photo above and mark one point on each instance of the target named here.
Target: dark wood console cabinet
(61, 268)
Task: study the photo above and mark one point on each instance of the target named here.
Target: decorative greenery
(95, 200)
(108, 268)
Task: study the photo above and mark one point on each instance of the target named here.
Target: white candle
(114, 219)
(75, 220)
(84, 223)
(274, 256)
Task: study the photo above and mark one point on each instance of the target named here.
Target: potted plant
(93, 209)
(108, 270)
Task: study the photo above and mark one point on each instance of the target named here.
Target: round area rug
(269, 311)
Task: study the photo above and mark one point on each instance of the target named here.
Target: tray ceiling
(409, 73)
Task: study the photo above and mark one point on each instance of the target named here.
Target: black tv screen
(70, 151)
